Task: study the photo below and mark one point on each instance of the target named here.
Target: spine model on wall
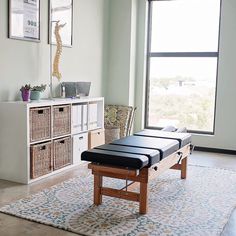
(56, 73)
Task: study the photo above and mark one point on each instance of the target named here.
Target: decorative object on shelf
(25, 92)
(36, 92)
(24, 20)
(76, 89)
(61, 11)
(63, 91)
(60, 34)
(56, 72)
(54, 67)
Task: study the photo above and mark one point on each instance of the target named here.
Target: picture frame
(62, 11)
(24, 20)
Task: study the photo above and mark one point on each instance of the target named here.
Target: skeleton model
(56, 73)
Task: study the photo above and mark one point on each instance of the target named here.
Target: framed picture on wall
(24, 20)
(61, 11)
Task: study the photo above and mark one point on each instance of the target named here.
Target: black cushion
(165, 146)
(129, 160)
(153, 155)
(183, 138)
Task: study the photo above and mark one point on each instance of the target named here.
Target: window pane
(185, 26)
(182, 92)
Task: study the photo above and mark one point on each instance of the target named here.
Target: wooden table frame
(177, 161)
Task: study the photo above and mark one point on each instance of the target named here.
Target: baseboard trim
(215, 150)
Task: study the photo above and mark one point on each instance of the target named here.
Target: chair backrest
(120, 116)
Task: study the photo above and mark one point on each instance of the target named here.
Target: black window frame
(150, 55)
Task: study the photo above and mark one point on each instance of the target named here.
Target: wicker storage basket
(62, 152)
(40, 123)
(40, 159)
(61, 120)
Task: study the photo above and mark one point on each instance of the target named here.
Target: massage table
(137, 158)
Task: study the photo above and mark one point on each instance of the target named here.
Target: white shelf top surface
(55, 101)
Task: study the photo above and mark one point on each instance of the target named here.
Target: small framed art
(61, 11)
(24, 20)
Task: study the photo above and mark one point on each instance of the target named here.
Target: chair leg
(97, 189)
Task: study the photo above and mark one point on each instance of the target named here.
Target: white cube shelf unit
(31, 131)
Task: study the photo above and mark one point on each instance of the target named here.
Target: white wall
(28, 62)
(121, 52)
(225, 131)
(141, 48)
(226, 96)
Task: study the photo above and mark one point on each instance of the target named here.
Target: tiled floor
(12, 226)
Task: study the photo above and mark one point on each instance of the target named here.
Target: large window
(182, 64)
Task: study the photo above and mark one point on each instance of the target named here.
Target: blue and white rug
(200, 205)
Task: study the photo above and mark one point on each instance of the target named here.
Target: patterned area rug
(200, 205)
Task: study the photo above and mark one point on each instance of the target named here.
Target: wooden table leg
(97, 189)
(184, 164)
(143, 200)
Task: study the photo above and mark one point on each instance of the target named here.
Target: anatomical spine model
(56, 73)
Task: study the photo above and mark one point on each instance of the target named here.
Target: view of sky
(187, 26)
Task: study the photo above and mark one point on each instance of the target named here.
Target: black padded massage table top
(164, 146)
(136, 151)
(183, 138)
(152, 155)
(108, 157)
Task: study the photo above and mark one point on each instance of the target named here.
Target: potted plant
(36, 91)
(25, 92)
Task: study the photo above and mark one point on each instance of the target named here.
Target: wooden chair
(120, 117)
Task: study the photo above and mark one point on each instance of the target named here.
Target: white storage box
(85, 117)
(79, 118)
(96, 138)
(93, 116)
(76, 119)
(80, 144)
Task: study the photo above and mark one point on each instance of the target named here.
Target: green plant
(39, 88)
(26, 87)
